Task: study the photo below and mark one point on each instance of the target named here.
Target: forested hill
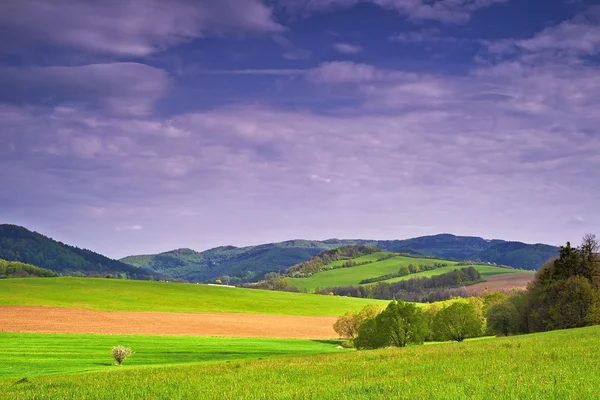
(248, 264)
(20, 244)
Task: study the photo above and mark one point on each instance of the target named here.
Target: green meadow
(32, 354)
(552, 365)
(353, 275)
(130, 295)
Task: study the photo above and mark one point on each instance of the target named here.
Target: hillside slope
(246, 264)
(23, 245)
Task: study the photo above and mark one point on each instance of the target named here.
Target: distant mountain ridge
(22, 245)
(245, 264)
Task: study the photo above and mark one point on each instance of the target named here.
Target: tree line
(16, 269)
(410, 289)
(403, 271)
(316, 264)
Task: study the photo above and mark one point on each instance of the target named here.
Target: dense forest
(16, 269)
(20, 244)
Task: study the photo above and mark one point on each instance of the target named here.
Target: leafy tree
(403, 323)
(345, 326)
(502, 317)
(348, 324)
(371, 335)
(575, 304)
(491, 298)
(457, 322)
(519, 301)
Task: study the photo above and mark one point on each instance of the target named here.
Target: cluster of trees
(272, 281)
(564, 294)
(403, 271)
(316, 264)
(16, 269)
(401, 324)
(410, 289)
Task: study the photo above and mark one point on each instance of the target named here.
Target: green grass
(353, 275)
(126, 295)
(553, 365)
(30, 355)
(484, 270)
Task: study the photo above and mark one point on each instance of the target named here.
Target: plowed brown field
(66, 320)
(503, 282)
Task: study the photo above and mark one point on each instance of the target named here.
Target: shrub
(120, 353)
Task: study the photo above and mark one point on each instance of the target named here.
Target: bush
(120, 353)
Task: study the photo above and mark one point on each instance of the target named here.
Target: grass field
(30, 355)
(553, 365)
(353, 275)
(128, 295)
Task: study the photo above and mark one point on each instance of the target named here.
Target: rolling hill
(129, 295)
(249, 264)
(246, 264)
(23, 245)
(378, 264)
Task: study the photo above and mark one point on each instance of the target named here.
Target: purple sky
(139, 126)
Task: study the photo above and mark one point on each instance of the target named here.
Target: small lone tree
(120, 353)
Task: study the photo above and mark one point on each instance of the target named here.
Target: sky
(140, 126)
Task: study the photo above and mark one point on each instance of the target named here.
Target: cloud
(340, 72)
(571, 39)
(410, 150)
(347, 48)
(290, 51)
(129, 228)
(580, 35)
(320, 179)
(128, 27)
(447, 11)
(121, 88)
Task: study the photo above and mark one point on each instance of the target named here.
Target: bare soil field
(66, 320)
(503, 282)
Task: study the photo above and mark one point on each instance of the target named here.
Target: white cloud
(580, 35)
(320, 179)
(129, 27)
(340, 72)
(129, 228)
(347, 48)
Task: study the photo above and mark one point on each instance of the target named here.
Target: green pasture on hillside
(353, 275)
(552, 365)
(33, 354)
(129, 295)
